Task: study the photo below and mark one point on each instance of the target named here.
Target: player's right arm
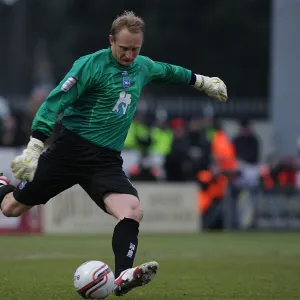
(65, 94)
(77, 80)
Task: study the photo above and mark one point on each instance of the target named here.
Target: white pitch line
(153, 254)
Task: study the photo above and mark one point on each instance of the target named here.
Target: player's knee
(124, 206)
(139, 215)
(11, 211)
(135, 211)
(12, 208)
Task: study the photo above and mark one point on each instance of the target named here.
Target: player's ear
(111, 39)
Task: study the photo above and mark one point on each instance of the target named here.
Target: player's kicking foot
(135, 277)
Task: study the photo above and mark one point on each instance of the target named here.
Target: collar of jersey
(119, 66)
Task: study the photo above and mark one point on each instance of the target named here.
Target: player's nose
(129, 55)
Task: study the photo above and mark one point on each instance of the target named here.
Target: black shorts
(72, 160)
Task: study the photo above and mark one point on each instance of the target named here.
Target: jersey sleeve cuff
(193, 79)
(39, 135)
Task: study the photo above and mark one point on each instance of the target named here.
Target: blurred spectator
(200, 145)
(139, 134)
(178, 165)
(212, 178)
(246, 144)
(36, 99)
(137, 145)
(247, 149)
(4, 108)
(162, 138)
(11, 131)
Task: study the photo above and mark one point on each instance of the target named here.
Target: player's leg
(10, 207)
(114, 193)
(39, 191)
(126, 208)
(54, 174)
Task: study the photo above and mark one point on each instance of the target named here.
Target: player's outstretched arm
(160, 72)
(214, 87)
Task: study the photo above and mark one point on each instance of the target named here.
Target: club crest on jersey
(68, 83)
(126, 82)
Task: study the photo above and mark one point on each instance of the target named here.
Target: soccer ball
(94, 280)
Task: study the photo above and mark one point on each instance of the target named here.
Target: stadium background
(245, 244)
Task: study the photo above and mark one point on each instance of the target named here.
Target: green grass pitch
(210, 266)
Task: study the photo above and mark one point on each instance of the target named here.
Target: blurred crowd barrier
(168, 208)
(265, 197)
(262, 209)
(261, 197)
(226, 171)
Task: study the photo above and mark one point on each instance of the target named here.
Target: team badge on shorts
(69, 83)
(22, 185)
(126, 82)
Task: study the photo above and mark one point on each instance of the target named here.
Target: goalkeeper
(98, 98)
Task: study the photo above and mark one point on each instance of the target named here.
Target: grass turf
(194, 267)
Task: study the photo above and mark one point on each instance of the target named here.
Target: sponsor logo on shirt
(68, 83)
(122, 104)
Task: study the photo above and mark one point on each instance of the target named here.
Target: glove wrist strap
(35, 145)
(200, 82)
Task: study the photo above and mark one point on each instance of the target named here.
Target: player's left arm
(161, 72)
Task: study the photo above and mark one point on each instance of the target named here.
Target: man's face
(126, 46)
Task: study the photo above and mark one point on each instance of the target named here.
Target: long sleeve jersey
(98, 97)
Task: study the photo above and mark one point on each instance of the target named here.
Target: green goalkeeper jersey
(98, 97)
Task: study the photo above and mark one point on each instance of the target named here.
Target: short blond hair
(127, 20)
